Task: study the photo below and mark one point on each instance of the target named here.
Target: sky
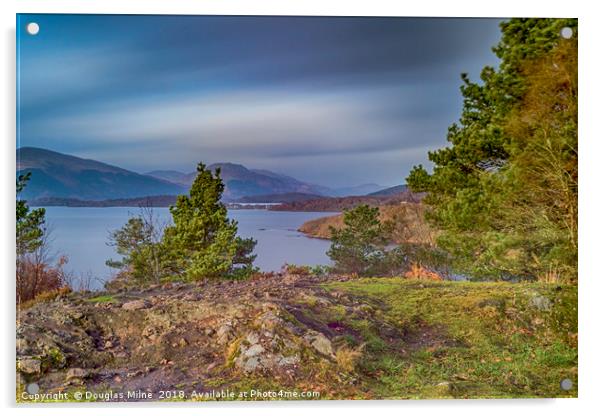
(329, 100)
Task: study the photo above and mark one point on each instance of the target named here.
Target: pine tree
(30, 223)
(493, 216)
(203, 241)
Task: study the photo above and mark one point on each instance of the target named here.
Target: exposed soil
(186, 336)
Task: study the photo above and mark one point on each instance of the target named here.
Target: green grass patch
(101, 299)
(467, 339)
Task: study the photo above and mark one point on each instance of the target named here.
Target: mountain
(243, 182)
(58, 175)
(359, 190)
(390, 191)
(63, 176)
(171, 176)
(317, 189)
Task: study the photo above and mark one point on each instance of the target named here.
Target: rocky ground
(334, 337)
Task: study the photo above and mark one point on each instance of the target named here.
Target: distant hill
(330, 204)
(414, 228)
(59, 175)
(390, 191)
(280, 198)
(172, 176)
(243, 182)
(360, 190)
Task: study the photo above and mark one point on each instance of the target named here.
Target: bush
(425, 256)
(45, 297)
(296, 270)
(320, 270)
(36, 277)
(359, 247)
(139, 242)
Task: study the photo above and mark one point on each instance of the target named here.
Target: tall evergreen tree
(202, 242)
(480, 188)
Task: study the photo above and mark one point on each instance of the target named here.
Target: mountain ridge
(56, 174)
(393, 190)
(241, 181)
(59, 175)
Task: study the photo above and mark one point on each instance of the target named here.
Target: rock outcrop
(185, 335)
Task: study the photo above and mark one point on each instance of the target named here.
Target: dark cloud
(277, 92)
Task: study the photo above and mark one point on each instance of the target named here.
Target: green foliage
(202, 242)
(320, 270)
(30, 223)
(143, 255)
(359, 247)
(426, 256)
(504, 193)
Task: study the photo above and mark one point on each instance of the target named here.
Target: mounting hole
(33, 28)
(566, 32)
(32, 388)
(566, 384)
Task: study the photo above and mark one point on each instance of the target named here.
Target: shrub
(45, 297)
(359, 247)
(320, 270)
(35, 276)
(139, 243)
(296, 270)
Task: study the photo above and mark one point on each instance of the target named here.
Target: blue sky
(334, 101)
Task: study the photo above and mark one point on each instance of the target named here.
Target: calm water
(82, 235)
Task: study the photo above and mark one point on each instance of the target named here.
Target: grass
(347, 357)
(467, 339)
(396, 338)
(101, 299)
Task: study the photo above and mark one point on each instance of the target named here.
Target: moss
(54, 358)
(308, 300)
(486, 339)
(336, 312)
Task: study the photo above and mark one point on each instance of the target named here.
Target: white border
(590, 142)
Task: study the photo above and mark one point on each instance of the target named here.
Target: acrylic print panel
(295, 208)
